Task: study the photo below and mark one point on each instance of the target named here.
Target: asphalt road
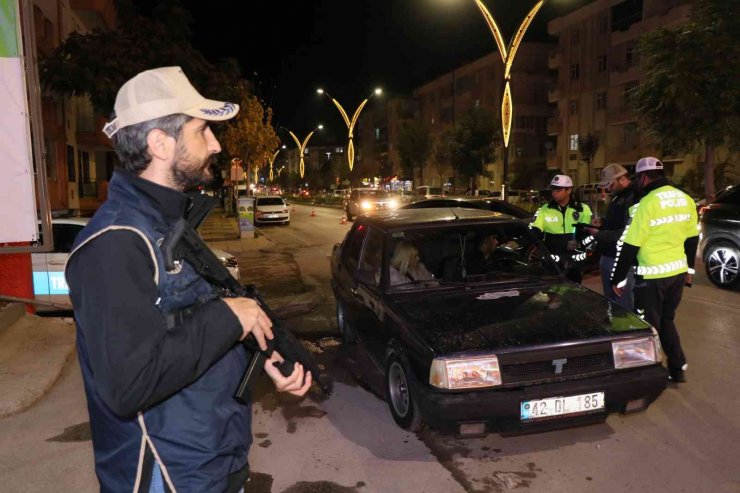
(688, 440)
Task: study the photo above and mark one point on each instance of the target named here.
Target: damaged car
(492, 338)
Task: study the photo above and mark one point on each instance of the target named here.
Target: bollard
(313, 213)
(344, 219)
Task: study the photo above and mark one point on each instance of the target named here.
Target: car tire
(403, 406)
(346, 333)
(287, 223)
(721, 263)
(349, 216)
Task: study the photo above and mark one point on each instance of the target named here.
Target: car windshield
(481, 253)
(373, 194)
(435, 191)
(270, 201)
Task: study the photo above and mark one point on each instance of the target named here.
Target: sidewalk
(34, 350)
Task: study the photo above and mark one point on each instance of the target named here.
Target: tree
(474, 141)
(587, 147)
(690, 96)
(414, 146)
(97, 63)
(250, 135)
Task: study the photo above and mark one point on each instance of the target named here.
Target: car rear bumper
(499, 409)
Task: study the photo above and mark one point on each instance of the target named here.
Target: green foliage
(414, 145)
(97, 63)
(472, 142)
(690, 96)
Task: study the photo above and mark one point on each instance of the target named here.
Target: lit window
(574, 142)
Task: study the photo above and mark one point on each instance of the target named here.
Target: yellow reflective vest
(560, 226)
(660, 224)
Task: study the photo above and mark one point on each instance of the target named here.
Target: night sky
(349, 47)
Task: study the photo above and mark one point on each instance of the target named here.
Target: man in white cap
(623, 196)
(159, 349)
(557, 222)
(663, 236)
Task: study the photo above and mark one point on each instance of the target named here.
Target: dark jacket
(615, 220)
(159, 387)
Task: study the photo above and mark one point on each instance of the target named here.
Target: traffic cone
(313, 213)
(293, 209)
(344, 219)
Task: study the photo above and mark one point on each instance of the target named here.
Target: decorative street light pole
(350, 123)
(302, 146)
(272, 160)
(507, 56)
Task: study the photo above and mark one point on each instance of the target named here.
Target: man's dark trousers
(656, 300)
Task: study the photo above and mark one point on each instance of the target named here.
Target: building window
(573, 142)
(603, 24)
(574, 71)
(631, 56)
(71, 164)
(601, 63)
(629, 89)
(601, 100)
(573, 107)
(377, 133)
(629, 138)
(574, 37)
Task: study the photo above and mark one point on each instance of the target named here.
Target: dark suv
(719, 244)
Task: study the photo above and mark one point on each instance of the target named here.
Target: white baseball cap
(611, 173)
(647, 164)
(561, 181)
(161, 92)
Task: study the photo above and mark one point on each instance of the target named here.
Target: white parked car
(49, 284)
(271, 209)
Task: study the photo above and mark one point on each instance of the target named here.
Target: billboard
(18, 215)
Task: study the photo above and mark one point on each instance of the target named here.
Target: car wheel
(287, 223)
(345, 329)
(401, 402)
(721, 262)
(349, 216)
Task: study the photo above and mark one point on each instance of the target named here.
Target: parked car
(271, 209)
(489, 204)
(516, 348)
(49, 284)
(363, 200)
(719, 238)
(427, 192)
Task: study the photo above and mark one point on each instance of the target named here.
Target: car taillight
(703, 209)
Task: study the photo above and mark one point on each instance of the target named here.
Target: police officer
(557, 221)
(662, 234)
(623, 196)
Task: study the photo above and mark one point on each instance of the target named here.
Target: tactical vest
(200, 435)
(659, 225)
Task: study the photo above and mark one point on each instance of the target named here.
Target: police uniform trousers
(656, 300)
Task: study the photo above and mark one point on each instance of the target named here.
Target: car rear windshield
(502, 252)
(373, 194)
(270, 201)
(729, 196)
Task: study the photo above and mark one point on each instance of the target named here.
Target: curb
(10, 314)
(33, 353)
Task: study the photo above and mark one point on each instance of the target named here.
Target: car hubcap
(398, 389)
(723, 265)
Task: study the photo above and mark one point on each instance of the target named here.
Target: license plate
(561, 406)
(271, 216)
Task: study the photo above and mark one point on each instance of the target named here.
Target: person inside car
(406, 266)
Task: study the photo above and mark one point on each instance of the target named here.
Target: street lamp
(351, 123)
(272, 159)
(302, 146)
(507, 56)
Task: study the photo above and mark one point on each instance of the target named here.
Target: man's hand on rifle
(254, 321)
(292, 384)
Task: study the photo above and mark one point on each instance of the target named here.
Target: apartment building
(79, 158)
(442, 101)
(595, 67)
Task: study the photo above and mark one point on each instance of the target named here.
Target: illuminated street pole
(302, 146)
(507, 56)
(272, 160)
(350, 123)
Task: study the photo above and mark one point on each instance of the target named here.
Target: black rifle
(183, 243)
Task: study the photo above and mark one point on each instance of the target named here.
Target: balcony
(554, 61)
(90, 133)
(620, 115)
(554, 95)
(554, 126)
(96, 13)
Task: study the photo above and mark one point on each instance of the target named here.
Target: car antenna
(457, 218)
